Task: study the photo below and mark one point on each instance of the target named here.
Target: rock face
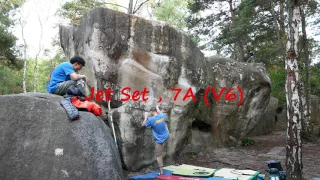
(315, 110)
(269, 120)
(315, 113)
(38, 141)
(126, 51)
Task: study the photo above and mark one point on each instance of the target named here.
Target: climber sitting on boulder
(65, 75)
(159, 130)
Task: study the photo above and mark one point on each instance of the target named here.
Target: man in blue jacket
(65, 75)
(159, 130)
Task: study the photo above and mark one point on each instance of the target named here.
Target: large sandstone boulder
(38, 141)
(315, 114)
(269, 120)
(315, 110)
(126, 51)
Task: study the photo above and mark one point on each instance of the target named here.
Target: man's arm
(145, 119)
(158, 110)
(75, 76)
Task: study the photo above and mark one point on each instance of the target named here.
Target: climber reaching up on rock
(65, 75)
(159, 130)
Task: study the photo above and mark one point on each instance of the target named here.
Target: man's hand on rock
(84, 77)
(146, 115)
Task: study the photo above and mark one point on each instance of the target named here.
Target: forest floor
(266, 147)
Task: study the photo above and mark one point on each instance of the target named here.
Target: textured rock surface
(126, 51)
(38, 141)
(269, 120)
(315, 110)
(315, 114)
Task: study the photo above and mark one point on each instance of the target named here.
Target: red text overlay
(230, 95)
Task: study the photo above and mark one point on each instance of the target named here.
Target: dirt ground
(266, 147)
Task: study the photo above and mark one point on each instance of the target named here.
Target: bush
(10, 81)
(277, 75)
(278, 79)
(11, 77)
(315, 80)
(192, 154)
(248, 142)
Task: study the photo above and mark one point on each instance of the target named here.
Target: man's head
(153, 111)
(77, 63)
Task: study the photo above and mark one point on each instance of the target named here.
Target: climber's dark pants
(63, 87)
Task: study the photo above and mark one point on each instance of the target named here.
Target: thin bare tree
(130, 7)
(239, 48)
(294, 115)
(137, 6)
(22, 23)
(277, 28)
(35, 72)
(306, 56)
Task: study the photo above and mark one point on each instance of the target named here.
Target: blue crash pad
(150, 176)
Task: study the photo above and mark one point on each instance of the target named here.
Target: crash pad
(237, 174)
(190, 171)
(173, 177)
(185, 166)
(150, 176)
(194, 172)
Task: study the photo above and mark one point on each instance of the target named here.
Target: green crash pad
(173, 168)
(191, 171)
(237, 174)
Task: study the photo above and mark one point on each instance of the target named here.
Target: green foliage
(10, 66)
(248, 142)
(172, 12)
(43, 73)
(76, 9)
(10, 81)
(7, 39)
(11, 77)
(195, 39)
(277, 75)
(253, 27)
(315, 80)
(250, 23)
(192, 154)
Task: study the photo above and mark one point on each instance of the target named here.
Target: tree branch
(135, 5)
(116, 5)
(135, 10)
(282, 47)
(4, 2)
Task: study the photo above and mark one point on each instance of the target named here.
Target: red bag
(90, 106)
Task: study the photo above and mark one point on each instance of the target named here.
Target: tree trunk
(293, 143)
(282, 27)
(24, 66)
(278, 30)
(241, 51)
(35, 72)
(24, 86)
(35, 69)
(239, 44)
(130, 6)
(137, 7)
(307, 107)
